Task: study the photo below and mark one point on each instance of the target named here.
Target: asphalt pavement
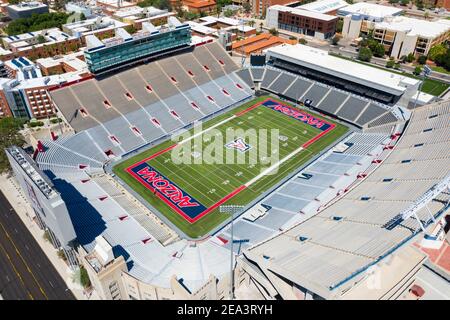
(25, 271)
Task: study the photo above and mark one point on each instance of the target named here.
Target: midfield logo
(238, 144)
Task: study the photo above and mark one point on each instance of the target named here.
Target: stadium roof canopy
(320, 60)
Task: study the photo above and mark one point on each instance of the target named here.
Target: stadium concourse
(131, 252)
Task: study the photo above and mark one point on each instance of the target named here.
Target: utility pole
(232, 209)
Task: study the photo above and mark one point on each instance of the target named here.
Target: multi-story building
(260, 7)
(24, 94)
(324, 6)
(125, 49)
(318, 25)
(400, 35)
(40, 44)
(359, 17)
(101, 27)
(26, 9)
(136, 15)
(49, 209)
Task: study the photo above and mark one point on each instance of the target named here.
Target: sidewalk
(10, 189)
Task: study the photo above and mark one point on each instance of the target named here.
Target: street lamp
(232, 209)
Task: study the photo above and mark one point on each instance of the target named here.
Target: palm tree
(251, 23)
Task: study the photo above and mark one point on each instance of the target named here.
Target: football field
(230, 159)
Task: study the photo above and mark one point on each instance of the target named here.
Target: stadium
(360, 172)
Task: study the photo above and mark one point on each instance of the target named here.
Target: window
(387, 179)
(427, 130)
(418, 145)
(406, 161)
(365, 198)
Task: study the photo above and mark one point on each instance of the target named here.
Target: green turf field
(210, 183)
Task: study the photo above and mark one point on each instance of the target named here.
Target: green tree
(397, 66)
(247, 7)
(37, 22)
(436, 51)
(404, 2)
(228, 13)
(251, 23)
(220, 4)
(273, 31)
(378, 50)
(302, 41)
(365, 54)
(9, 136)
(339, 25)
(422, 59)
(410, 57)
(417, 70)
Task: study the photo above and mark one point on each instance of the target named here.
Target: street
(25, 271)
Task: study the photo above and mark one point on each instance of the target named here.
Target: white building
(344, 72)
(324, 6)
(369, 11)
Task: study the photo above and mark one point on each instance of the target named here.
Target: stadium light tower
(232, 209)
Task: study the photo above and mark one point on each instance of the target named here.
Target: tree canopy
(37, 22)
(365, 54)
(9, 136)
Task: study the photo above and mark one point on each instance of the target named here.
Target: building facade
(125, 48)
(26, 9)
(318, 25)
(399, 35)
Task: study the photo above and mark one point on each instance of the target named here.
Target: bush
(292, 38)
(84, 278)
(46, 236)
(61, 255)
(273, 32)
(34, 124)
(365, 54)
(397, 66)
(55, 120)
(390, 64)
(302, 41)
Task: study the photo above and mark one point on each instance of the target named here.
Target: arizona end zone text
(225, 310)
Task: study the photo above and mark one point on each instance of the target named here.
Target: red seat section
(156, 122)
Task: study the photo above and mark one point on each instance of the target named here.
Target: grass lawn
(207, 184)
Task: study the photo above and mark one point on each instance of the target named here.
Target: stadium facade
(125, 48)
(313, 235)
